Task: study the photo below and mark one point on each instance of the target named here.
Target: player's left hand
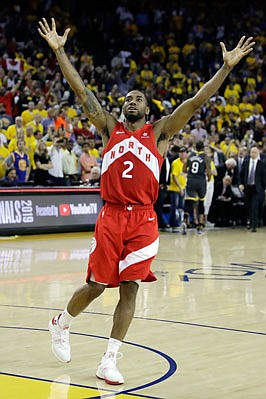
(244, 47)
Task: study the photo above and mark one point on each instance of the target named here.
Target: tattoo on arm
(61, 51)
(92, 105)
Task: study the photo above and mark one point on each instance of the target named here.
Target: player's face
(135, 106)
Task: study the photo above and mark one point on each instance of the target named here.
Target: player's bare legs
(83, 296)
(59, 325)
(125, 309)
(123, 316)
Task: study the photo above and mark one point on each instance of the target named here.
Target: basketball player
(197, 167)
(126, 233)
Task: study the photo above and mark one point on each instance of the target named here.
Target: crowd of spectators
(168, 51)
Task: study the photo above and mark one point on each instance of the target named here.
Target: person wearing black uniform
(198, 169)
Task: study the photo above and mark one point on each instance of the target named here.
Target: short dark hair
(175, 148)
(142, 93)
(199, 145)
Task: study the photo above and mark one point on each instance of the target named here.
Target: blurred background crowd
(166, 49)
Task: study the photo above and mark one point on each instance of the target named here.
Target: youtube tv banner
(48, 212)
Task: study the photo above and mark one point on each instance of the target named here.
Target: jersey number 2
(126, 173)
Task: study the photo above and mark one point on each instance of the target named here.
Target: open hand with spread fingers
(244, 47)
(50, 35)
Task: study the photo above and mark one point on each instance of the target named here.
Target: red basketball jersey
(131, 167)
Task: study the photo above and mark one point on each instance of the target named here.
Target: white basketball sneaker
(60, 340)
(108, 371)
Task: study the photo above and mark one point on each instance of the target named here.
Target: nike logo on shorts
(150, 219)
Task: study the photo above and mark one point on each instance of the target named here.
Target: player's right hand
(50, 35)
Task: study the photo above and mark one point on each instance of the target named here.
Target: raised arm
(174, 122)
(101, 119)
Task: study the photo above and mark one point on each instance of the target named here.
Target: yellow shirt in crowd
(177, 170)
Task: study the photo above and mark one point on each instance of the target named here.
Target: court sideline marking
(185, 323)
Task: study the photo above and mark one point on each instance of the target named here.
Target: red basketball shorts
(124, 244)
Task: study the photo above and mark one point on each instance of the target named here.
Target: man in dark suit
(242, 153)
(253, 183)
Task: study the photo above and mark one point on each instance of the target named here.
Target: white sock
(113, 347)
(65, 319)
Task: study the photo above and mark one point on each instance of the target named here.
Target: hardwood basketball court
(198, 332)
